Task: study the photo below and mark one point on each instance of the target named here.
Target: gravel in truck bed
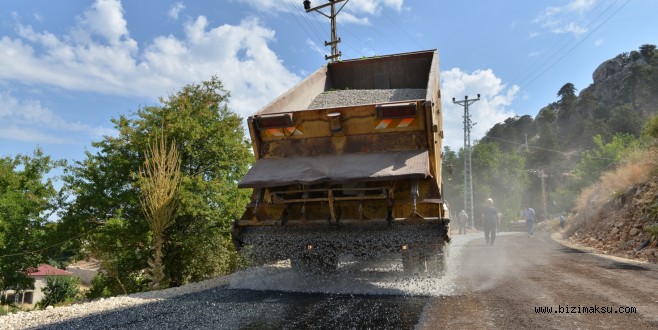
(352, 97)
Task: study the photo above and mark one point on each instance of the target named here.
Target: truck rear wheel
(315, 262)
(430, 261)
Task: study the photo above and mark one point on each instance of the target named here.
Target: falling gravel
(352, 97)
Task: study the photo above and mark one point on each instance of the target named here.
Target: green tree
(214, 156)
(59, 289)
(602, 158)
(647, 50)
(625, 120)
(567, 96)
(27, 199)
(569, 123)
(650, 130)
(453, 167)
(497, 171)
(543, 154)
(546, 115)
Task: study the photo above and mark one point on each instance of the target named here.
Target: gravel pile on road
(272, 243)
(352, 97)
(23, 320)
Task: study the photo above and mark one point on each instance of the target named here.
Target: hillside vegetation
(618, 215)
(590, 155)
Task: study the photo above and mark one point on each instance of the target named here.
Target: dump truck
(348, 162)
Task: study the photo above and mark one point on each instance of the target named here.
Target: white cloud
(495, 98)
(374, 7)
(315, 47)
(175, 10)
(581, 6)
(273, 5)
(599, 42)
(105, 19)
(370, 7)
(534, 54)
(348, 17)
(29, 121)
(25, 134)
(99, 56)
(567, 18)
(354, 12)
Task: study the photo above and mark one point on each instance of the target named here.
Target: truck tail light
(396, 110)
(274, 121)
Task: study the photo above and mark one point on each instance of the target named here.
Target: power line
(298, 22)
(50, 246)
(532, 69)
(576, 46)
(398, 26)
(540, 148)
(335, 40)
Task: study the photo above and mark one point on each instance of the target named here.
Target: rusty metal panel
(273, 172)
(384, 142)
(408, 70)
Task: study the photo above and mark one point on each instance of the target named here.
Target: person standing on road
(490, 220)
(463, 222)
(562, 220)
(529, 214)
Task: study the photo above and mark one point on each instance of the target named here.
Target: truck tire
(425, 261)
(315, 262)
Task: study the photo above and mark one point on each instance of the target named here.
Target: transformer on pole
(468, 173)
(335, 54)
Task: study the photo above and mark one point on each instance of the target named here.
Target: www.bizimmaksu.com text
(579, 309)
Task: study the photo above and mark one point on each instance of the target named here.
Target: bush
(100, 288)
(59, 289)
(650, 131)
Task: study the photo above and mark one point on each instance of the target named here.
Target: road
(488, 287)
(504, 284)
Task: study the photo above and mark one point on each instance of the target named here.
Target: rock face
(619, 228)
(616, 69)
(623, 80)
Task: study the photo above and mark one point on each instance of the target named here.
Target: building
(40, 275)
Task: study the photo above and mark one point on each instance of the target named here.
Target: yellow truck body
(348, 161)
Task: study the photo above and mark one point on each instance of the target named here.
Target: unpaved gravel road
(488, 287)
(502, 285)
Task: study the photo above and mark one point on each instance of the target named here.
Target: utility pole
(468, 173)
(335, 54)
(542, 176)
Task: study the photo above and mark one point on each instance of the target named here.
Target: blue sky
(68, 67)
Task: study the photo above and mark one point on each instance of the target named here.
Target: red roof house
(47, 270)
(40, 276)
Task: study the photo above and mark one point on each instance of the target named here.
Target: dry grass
(638, 168)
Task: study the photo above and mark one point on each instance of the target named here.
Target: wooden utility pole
(335, 54)
(542, 176)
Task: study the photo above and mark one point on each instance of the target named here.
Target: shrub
(59, 289)
(99, 287)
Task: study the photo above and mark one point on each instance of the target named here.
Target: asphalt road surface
(503, 286)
